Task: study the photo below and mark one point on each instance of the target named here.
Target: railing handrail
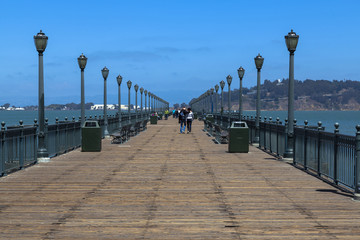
(330, 155)
(18, 146)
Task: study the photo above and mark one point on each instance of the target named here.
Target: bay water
(13, 117)
(347, 119)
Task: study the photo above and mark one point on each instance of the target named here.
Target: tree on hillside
(6, 105)
(183, 105)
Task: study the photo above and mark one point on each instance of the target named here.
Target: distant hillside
(309, 95)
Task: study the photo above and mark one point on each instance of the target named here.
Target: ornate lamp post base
(42, 155)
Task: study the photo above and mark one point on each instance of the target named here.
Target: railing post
(46, 133)
(21, 145)
(357, 165)
(35, 139)
(66, 135)
(57, 136)
(270, 133)
(277, 135)
(2, 162)
(74, 142)
(319, 149)
(286, 133)
(265, 125)
(258, 131)
(305, 144)
(336, 139)
(293, 139)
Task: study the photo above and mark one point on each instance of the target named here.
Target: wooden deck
(166, 185)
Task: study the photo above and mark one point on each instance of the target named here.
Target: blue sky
(175, 49)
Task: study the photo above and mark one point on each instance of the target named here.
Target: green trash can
(153, 119)
(209, 117)
(195, 115)
(91, 137)
(239, 138)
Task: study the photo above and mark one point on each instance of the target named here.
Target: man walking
(182, 119)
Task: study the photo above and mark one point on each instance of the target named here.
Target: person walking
(189, 119)
(182, 119)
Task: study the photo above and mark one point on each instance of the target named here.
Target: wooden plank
(166, 185)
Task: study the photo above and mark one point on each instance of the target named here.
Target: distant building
(251, 92)
(15, 109)
(123, 107)
(112, 107)
(101, 107)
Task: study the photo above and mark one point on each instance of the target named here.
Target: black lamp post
(145, 92)
(150, 103)
(157, 104)
(82, 64)
(212, 99)
(119, 80)
(258, 63)
(208, 101)
(141, 101)
(291, 42)
(216, 99)
(129, 86)
(229, 80)
(157, 107)
(222, 85)
(136, 88)
(241, 72)
(105, 73)
(40, 43)
(154, 102)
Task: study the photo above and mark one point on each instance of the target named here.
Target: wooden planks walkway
(166, 185)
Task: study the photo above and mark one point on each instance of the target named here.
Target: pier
(164, 185)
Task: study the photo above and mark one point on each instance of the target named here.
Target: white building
(101, 107)
(112, 107)
(15, 109)
(124, 107)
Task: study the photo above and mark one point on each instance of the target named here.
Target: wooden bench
(120, 135)
(135, 129)
(209, 127)
(143, 125)
(221, 135)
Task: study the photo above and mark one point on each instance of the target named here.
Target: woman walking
(189, 119)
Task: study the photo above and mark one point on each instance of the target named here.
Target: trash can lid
(91, 124)
(239, 125)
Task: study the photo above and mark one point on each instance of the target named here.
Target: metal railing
(330, 156)
(18, 147)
